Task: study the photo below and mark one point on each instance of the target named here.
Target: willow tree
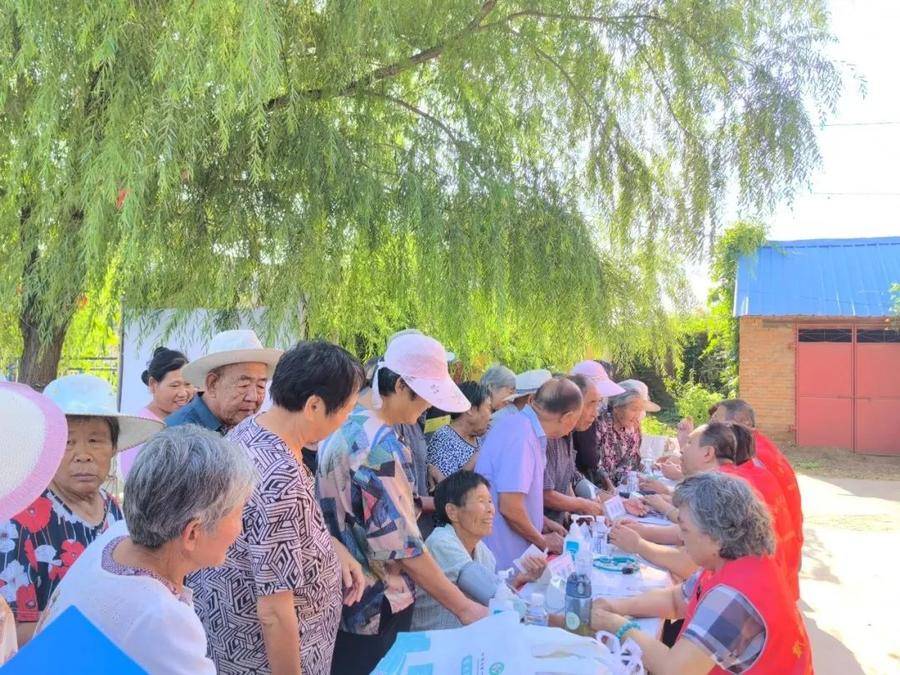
(522, 178)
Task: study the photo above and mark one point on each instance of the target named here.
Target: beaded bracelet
(627, 626)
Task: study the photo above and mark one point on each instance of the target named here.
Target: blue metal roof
(819, 277)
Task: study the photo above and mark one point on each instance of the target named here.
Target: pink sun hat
(34, 433)
(597, 374)
(422, 363)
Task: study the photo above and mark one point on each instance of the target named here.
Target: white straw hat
(230, 346)
(529, 382)
(32, 442)
(639, 389)
(90, 396)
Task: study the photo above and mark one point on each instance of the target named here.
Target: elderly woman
(54, 530)
(183, 505)
(739, 615)
(500, 382)
(465, 513)
(274, 606)
(610, 447)
(168, 389)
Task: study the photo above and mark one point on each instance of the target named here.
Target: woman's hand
(658, 503)
(683, 430)
(472, 613)
(636, 506)
(354, 580)
(603, 619)
(625, 538)
(533, 567)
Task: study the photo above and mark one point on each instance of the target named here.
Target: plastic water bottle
(574, 541)
(578, 596)
(600, 538)
(504, 598)
(536, 614)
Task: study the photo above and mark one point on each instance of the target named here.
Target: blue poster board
(71, 645)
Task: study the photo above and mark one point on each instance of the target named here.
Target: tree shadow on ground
(813, 550)
(888, 490)
(830, 655)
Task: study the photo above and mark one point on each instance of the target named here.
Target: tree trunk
(40, 355)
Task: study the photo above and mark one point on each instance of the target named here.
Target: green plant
(694, 401)
(653, 426)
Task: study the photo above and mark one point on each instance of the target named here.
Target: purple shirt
(513, 457)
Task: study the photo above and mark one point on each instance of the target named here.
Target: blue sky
(856, 190)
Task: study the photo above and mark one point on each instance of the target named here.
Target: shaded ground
(835, 463)
(850, 594)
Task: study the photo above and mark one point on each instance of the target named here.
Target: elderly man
(513, 459)
(233, 376)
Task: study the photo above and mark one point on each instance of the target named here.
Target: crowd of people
(363, 501)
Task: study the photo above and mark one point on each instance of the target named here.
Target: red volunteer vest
(787, 549)
(786, 650)
(773, 459)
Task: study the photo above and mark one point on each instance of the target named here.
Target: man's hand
(636, 506)
(553, 542)
(553, 526)
(354, 580)
(590, 507)
(653, 485)
(672, 470)
(684, 429)
(625, 538)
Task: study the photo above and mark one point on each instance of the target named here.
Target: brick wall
(766, 370)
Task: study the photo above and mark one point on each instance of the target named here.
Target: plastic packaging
(578, 595)
(574, 541)
(536, 614)
(504, 599)
(600, 538)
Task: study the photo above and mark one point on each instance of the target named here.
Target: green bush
(653, 426)
(694, 400)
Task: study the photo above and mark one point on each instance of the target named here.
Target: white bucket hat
(422, 363)
(90, 396)
(639, 390)
(230, 346)
(597, 374)
(529, 382)
(33, 442)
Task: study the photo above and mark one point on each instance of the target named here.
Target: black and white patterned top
(284, 546)
(448, 451)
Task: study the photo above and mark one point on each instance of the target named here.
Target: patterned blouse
(612, 448)
(284, 546)
(39, 545)
(448, 451)
(365, 486)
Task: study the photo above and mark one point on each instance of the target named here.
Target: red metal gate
(848, 388)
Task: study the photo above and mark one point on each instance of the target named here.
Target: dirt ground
(850, 594)
(835, 463)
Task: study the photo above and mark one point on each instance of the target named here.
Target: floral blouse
(39, 545)
(610, 448)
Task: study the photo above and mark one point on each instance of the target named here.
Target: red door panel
(878, 426)
(825, 394)
(825, 422)
(878, 370)
(825, 369)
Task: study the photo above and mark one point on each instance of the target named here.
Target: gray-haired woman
(739, 615)
(501, 383)
(183, 503)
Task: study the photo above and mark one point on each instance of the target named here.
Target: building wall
(767, 374)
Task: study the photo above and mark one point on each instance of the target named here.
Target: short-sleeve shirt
(365, 487)
(560, 472)
(513, 458)
(451, 556)
(284, 546)
(448, 451)
(39, 546)
(197, 412)
(726, 626)
(412, 436)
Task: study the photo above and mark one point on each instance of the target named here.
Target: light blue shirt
(513, 457)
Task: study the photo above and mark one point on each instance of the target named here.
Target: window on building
(878, 335)
(825, 335)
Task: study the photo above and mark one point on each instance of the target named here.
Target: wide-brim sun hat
(639, 388)
(90, 396)
(596, 373)
(33, 436)
(227, 348)
(422, 363)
